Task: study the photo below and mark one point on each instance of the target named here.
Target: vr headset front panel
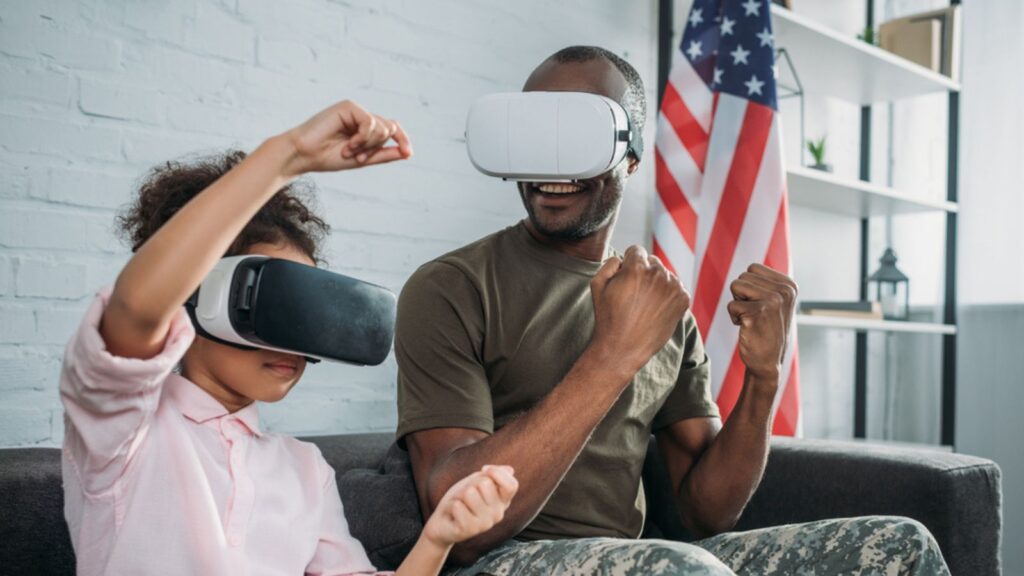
(275, 304)
(548, 136)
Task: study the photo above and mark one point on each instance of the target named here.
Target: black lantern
(891, 288)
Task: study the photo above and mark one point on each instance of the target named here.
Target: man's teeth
(559, 188)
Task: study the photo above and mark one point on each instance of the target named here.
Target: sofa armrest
(958, 497)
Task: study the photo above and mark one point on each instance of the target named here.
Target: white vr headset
(549, 136)
(251, 302)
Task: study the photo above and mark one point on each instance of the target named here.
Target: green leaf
(817, 150)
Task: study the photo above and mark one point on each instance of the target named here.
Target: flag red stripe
(777, 257)
(690, 132)
(732, 211)
(675, 201)
(658, 251)
(785, 423)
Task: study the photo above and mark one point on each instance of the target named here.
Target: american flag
(721, 181)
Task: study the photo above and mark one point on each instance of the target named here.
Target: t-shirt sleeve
(439, 334)
(691, 396)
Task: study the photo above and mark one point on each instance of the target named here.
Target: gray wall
(991, 358)
(989, 403)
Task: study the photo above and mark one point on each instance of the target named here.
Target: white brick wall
(94, 93)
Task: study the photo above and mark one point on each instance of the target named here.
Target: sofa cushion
(34, 538)
(346, 452)
(382, 508)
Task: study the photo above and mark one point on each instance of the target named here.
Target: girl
(168, 472)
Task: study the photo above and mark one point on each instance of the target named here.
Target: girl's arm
(169, 267)
(469, 508)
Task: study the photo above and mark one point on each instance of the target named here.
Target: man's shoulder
(471, 261)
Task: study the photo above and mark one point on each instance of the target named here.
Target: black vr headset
(252, 302)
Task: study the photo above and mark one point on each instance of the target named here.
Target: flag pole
(665, 15)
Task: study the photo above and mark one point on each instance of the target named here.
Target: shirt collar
(198, 406)
(555, 257)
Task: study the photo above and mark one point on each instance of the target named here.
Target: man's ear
(634, 165)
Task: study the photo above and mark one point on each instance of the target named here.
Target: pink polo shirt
(160, 479)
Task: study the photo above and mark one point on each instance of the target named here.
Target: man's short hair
(635, 99)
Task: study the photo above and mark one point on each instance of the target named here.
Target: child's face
(237, 377)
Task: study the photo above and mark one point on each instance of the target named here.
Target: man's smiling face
(573, 211)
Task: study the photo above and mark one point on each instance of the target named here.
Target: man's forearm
(718, 488)
(540, 445)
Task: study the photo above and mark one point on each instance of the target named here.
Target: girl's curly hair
(286, 218)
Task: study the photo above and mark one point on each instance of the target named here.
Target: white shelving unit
(823, 191)
(875, 325)
(834, 65)
(848, 68)
(857, 72)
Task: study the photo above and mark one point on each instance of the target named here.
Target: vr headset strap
(190, 308)
(636, 139)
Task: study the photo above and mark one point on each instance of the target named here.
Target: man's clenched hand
(763, 309)
(637, 305)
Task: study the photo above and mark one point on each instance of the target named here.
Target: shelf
(823, 191)
(879, 325)
(831, 64)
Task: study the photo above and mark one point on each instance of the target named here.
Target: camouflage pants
(886, 545)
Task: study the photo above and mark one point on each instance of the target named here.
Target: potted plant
(817, 150)
(869, 35)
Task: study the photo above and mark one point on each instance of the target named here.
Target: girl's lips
(286, 369)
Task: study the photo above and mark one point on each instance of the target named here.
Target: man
(539, 348)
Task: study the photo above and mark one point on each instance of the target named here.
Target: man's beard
(596, 216)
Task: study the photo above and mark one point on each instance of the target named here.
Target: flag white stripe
(679, 161)
(691, 87)
(671, 240)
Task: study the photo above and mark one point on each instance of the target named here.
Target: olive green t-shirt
(486, 331)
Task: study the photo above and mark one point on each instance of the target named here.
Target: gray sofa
(958, 497)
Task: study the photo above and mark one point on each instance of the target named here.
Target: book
(869, 315)
(856, 309)
(919, 41)
(849, 306)
(916, 38)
